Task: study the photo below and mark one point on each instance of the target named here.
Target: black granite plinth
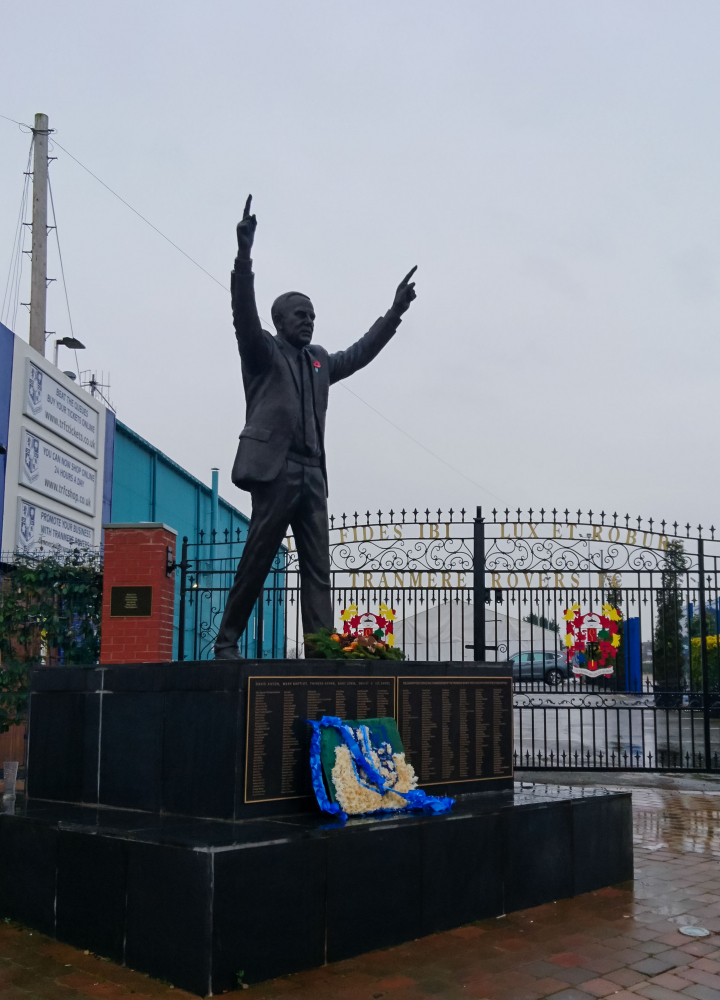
(194, 901)
(228, 740)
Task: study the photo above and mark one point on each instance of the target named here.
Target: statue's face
(297, 321)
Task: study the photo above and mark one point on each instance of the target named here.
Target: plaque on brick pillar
(130, 602)
(138, 593)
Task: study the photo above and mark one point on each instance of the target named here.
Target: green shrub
(713, 655)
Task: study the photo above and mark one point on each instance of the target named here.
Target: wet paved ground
(621, 942)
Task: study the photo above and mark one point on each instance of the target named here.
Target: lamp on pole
(72, 342)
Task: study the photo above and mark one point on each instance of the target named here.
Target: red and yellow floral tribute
(367, 629)
(592, 640)
(365, 636)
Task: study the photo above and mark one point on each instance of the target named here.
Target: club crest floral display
(368, 625)
(365, 636)
(592, 640)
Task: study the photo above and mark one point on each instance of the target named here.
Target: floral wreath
(592, 639)
(368, 625)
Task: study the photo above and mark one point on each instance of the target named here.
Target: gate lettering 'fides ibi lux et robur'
(382, 559)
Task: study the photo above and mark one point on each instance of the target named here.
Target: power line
(140, 216)
(12, 285)
(62, 272)
(420, 444)
(21, 124)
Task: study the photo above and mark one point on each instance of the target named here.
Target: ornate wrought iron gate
(658, 710)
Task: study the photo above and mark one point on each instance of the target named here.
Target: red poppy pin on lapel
(317, 366)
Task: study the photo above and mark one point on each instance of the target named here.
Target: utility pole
(38, 278)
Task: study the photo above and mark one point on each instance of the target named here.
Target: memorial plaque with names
(131, 602)
(456, 729)
(278, 739)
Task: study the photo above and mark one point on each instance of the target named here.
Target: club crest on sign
(32, 457)
(27, 523)
(35, 389)
(592, 640)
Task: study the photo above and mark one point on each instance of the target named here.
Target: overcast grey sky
(551, 166)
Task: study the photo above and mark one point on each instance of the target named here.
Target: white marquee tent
(442, 632)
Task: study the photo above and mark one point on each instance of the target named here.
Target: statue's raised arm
(254, 343)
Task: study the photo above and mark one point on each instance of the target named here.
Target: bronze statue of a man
(281, 456)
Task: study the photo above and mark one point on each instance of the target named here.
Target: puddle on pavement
(682, 821)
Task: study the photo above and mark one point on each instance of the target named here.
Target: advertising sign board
(48, 470)
(42, 530)
(59, 409)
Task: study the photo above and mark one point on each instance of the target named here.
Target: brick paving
(621, 942)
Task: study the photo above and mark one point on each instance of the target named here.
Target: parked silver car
(552, 668)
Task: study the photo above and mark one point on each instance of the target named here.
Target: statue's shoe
(228, 653)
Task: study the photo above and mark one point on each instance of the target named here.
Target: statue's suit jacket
(272, 394)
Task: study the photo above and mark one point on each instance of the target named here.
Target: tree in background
(49, 613)
(669, 660)
(710, 618)
(713, 648)
(542, 621)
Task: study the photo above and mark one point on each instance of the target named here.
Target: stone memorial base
(195, 901)
(170, 824)
(229, 740)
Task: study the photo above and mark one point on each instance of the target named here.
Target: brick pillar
(138, 595)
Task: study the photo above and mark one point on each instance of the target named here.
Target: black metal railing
(658, 709)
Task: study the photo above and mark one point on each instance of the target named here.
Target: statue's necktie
(311, 437)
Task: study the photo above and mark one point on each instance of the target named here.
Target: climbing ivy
(49, 613)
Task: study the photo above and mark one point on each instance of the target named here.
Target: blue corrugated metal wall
(149, 486)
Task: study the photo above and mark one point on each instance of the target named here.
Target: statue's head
(294, 318)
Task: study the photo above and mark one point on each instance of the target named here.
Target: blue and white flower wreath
(379, 780)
